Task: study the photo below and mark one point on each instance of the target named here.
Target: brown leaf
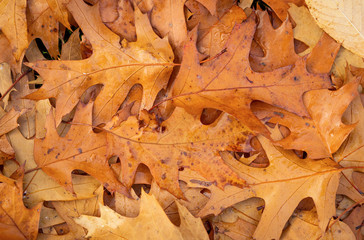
(288, 177)
(118, 15)
(146, 62)
(144, 225)
(230, 79)
(323, 134)
(13, 25)
(42, 24)
(16, 221)
(180, 142)
(59, 156)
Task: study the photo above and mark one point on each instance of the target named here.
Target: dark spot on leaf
(202, 183)
(279, 114)
(79, 150)
(163, 176)
(50, 150)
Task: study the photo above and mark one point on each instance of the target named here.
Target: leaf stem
(16, 81)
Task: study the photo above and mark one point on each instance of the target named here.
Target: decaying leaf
(151, 223)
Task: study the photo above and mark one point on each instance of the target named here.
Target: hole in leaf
(138, 189)
(209, 115)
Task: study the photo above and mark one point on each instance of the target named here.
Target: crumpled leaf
(288, 177)
(151, 223)
(230, 78)
(13, 25)
(59, 156)
(118, 67)
(17, 221)
(181, 141)
(342, 21)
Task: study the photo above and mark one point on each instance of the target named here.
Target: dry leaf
(13, 25)
(182, 141)
(323, 134)
(16, 221)
(151, 223)
(59, 156)
(146, 62)
(214, 83)
(316, 179)
(342, 21)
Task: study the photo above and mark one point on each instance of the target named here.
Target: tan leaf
(214, 83)
(151, 223)
(118, 67)
(341, 20)
(13, 25)
(16, 221)
(39, 186)
(283, 184)
(42, 24)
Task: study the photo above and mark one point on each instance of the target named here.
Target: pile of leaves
(183, 119)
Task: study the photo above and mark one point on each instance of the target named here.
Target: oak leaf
(322, 134)
(13, 25)
(283, 184)
(230, 79)
(59, 156)
(181, 141)
(151, 223)
(117, 66)
(42, 24)
(16, 221)
(39, 186)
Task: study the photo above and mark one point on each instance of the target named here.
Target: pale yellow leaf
(342, 20)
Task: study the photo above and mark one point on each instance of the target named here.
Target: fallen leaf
(306, 29)
(168, 19)
(316, 179)
(38, 185)
(342, 21)
(147, 62)
(119, 17)
(42, 24)
(111, 224)
(267, 37)
(71, 50)
(60, 11)
(323, 134)
(355, 220)
(16, 221)
(13, 25)
(5, 81)
(214, 83)
(181, 141)
(59, 156)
